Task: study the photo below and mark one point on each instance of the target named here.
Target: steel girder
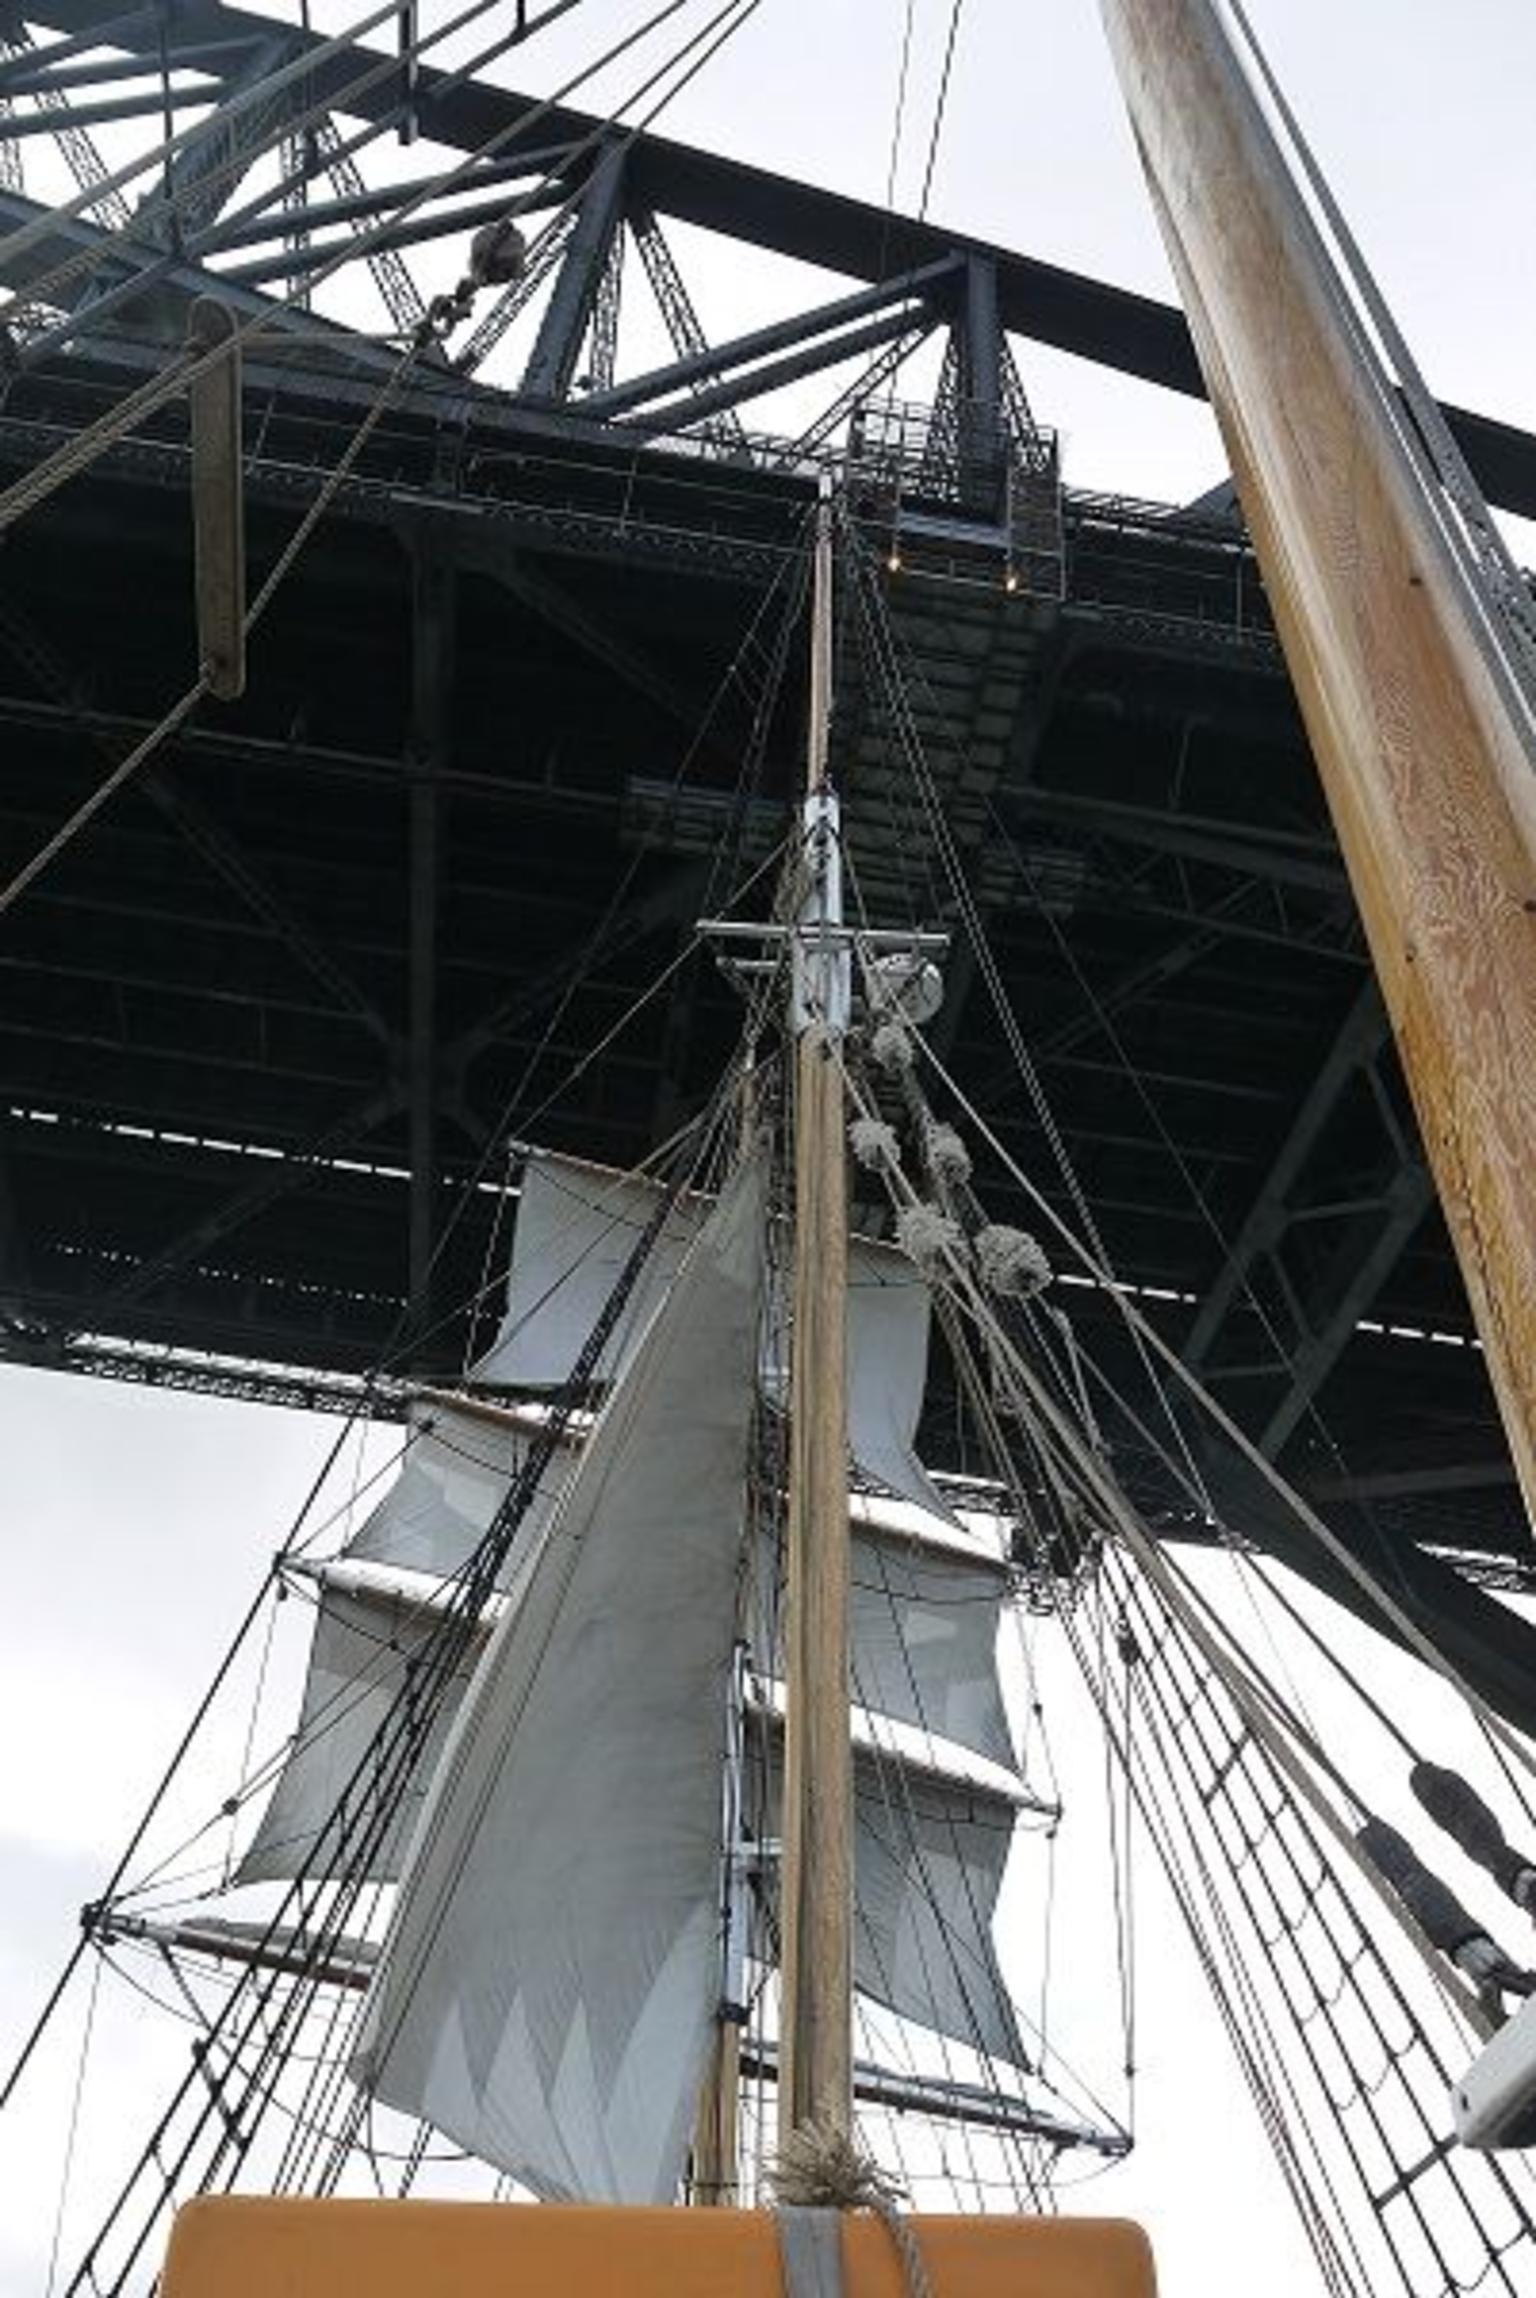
(1135, 334)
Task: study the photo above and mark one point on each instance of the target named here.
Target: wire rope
(191, 142)
(1381, 1597)
(182, 709)
(941, 105)
(54, 471)
(187, 1739)
(72, 2133)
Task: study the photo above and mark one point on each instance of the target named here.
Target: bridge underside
(511, 728)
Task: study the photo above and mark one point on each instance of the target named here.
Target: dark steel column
(552, 362)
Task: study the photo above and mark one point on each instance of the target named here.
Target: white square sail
(552, 2013)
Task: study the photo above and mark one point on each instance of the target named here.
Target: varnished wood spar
(816, 1888)
(1423, 758)
(715, 2136)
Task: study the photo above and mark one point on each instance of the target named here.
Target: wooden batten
(1416, 733)
(248, 2247)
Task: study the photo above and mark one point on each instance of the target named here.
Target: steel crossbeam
(1135, 334)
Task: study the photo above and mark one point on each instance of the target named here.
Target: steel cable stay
(941, 102)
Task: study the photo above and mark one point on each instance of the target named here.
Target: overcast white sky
(135, 1524)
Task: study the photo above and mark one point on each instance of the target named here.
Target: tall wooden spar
(1421, 736)
(816, 1896)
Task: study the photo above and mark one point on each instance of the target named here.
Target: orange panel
(243, 2247)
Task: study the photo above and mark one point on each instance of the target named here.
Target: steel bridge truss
(278, 116)
(1083, 671)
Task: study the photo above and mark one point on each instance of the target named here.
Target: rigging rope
(1261, 1725)
(820, 2168)
(1379, 1596)
(26, 493)
(190, 143)
(199, 1717)
(55, 471)
(182, 709)
(940, 106)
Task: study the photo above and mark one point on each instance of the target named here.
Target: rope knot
(874, 1144)
(822, 2167)
(819, 2167)
(929, 1237)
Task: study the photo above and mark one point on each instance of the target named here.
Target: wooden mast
(816, 1887)
(1420, 734)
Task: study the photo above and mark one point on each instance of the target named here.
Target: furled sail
(552, 2014)
(577, 1224)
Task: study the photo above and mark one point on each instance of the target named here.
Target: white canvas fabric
(455, 1475)
(548, 1981)
(456, 1472)
(922, 1631)
(928, 1859)
(577, 1225)
(364, 1643)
